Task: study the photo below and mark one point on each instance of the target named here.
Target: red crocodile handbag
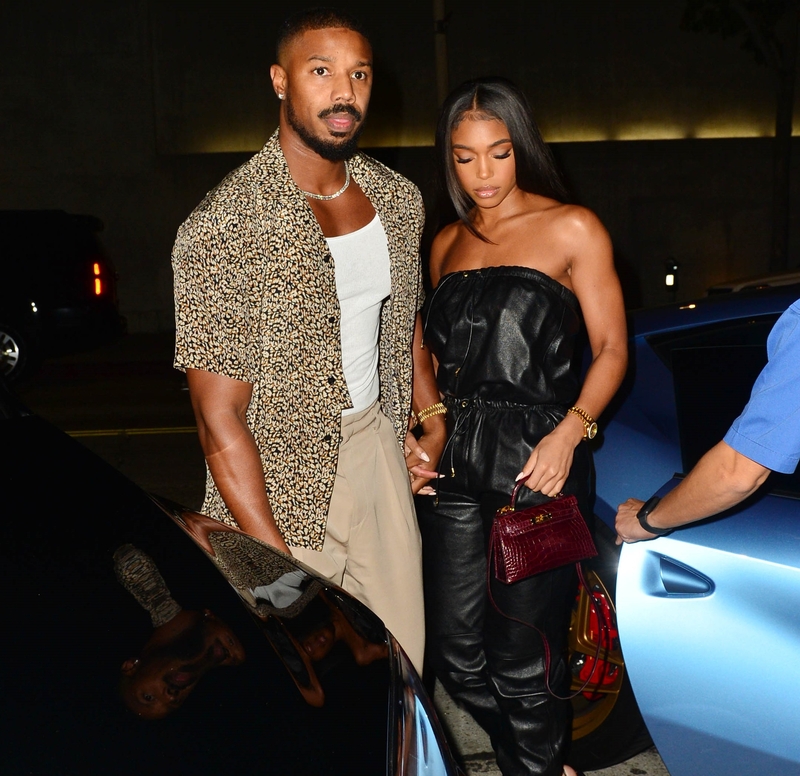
(528, 541)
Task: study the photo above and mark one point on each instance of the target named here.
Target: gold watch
(589, 423)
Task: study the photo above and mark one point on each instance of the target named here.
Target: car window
(751, 331)
(713, 369)
(712, 387)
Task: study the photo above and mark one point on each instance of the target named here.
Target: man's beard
(332, 150)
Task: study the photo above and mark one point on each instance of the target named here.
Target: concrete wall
(705, 203)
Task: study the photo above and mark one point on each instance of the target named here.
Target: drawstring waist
(456, 403)
(462, 410)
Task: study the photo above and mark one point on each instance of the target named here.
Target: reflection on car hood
(128, 651)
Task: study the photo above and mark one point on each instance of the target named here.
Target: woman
(511, 279)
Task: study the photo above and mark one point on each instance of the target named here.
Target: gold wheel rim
(604, 687)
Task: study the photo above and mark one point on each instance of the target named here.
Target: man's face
(174, 660)
(326, 79)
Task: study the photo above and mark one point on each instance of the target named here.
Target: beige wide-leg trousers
(372, 543)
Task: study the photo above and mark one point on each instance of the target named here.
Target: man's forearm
(220, 406)
(720, 480)
(239, 477)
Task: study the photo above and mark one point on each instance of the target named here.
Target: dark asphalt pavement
(126, 403)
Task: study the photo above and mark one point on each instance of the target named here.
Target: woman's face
(483, 158)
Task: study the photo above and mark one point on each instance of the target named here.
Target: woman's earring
(281, 96)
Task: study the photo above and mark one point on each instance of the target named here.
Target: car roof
(758, 281)
(13, 220)
(709, 310)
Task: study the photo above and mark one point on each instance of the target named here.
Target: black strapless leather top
(504, 334)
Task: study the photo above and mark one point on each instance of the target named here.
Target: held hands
(627, 524)
(551, 460)
(422, 458)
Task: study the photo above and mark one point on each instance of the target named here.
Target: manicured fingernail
(519, 476)
(425, 457)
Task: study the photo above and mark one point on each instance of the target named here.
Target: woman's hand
(551, 460)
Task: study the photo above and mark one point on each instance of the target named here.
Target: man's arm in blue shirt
(765, 437)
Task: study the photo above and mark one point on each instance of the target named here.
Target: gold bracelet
(429, 412)
(589, 423)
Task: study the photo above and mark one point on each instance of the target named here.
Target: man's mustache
(343, 108)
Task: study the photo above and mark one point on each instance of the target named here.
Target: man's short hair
(314, 19)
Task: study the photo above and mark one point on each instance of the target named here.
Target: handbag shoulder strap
(601, 621)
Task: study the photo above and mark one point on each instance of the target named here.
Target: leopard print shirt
(255, 300)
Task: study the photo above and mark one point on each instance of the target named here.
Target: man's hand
(627, 524)
(422, 458)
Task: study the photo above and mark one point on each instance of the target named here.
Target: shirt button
(331, 380)
(326, 438)
(331, 319)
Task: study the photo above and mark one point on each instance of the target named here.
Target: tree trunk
(782, 154)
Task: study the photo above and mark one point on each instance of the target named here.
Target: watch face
(591, 431)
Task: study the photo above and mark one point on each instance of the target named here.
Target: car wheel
(15, 353)
(607, 727)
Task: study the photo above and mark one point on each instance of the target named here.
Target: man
(297, 287)
(764, 438)
(183, 647)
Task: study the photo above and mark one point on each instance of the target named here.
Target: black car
(143, 638)
(58, 290)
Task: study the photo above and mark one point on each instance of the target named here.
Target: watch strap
(589, 423)
(643, 513)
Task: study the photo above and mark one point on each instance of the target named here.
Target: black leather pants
(492, 666)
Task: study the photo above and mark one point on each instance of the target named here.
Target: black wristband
(642, 514)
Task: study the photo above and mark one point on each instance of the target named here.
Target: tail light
(101, 279)
(98, 281)
(100, 285)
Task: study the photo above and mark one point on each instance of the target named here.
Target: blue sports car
(708, 617)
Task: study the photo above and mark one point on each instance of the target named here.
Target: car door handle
(664, 577)
(680, 580)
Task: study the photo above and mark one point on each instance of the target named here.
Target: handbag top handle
(515, 492)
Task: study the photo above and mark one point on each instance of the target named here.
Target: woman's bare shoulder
(441, 248)
(577, 224)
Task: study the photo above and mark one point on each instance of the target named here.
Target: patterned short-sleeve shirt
(255, 300)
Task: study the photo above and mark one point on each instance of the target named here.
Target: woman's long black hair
(497, 98)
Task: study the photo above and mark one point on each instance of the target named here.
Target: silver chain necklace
(326, 197)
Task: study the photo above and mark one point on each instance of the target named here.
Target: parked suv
(58, 291)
